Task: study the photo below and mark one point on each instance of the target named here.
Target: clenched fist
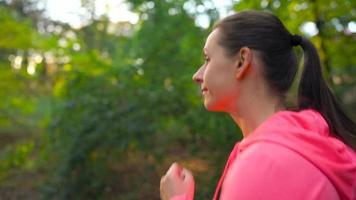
(177, 181)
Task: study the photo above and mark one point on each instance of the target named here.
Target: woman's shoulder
(271, 152)
(267, 168)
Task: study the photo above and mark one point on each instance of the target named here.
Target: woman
(306, 154)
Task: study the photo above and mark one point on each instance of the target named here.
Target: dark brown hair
(264, 32)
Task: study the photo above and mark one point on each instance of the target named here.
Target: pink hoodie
(293, 156)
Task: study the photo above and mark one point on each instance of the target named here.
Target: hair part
(265, 33)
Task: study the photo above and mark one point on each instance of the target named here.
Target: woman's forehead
(211, 41)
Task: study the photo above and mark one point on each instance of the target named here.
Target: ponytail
(314, 93)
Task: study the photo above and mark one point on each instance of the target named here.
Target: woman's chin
(212, 107)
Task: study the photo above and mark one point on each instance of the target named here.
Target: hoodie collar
(307, 133)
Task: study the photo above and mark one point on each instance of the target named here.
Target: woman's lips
(204, 90)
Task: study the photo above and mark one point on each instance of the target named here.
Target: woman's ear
(244, 61)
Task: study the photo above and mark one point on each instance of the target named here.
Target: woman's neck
(255, 113)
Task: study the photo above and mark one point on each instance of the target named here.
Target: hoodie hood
(307, 133)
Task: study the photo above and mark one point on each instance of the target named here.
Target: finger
(161, 188)
(182, 174)
(188, 175)
(162, 195)
(174, 170)
(162, 179)
(185, 172)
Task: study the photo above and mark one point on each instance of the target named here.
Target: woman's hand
(177, 181)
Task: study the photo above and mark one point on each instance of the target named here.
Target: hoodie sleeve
(271, 171)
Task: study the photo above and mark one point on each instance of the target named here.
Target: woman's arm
(271, 171)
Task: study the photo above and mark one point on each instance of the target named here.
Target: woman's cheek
(210, 76)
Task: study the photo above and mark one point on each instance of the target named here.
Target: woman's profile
(308, 153)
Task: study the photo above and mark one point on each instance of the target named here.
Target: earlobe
(240, 72)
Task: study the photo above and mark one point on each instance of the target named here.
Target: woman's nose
(198, 76)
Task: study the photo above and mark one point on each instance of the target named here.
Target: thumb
(187, 175)
(188, 179)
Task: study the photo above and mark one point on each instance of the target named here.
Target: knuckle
(163, 178)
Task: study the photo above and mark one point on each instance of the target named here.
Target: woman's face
(217, 76)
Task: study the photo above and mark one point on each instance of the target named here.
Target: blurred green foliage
(99, 112)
